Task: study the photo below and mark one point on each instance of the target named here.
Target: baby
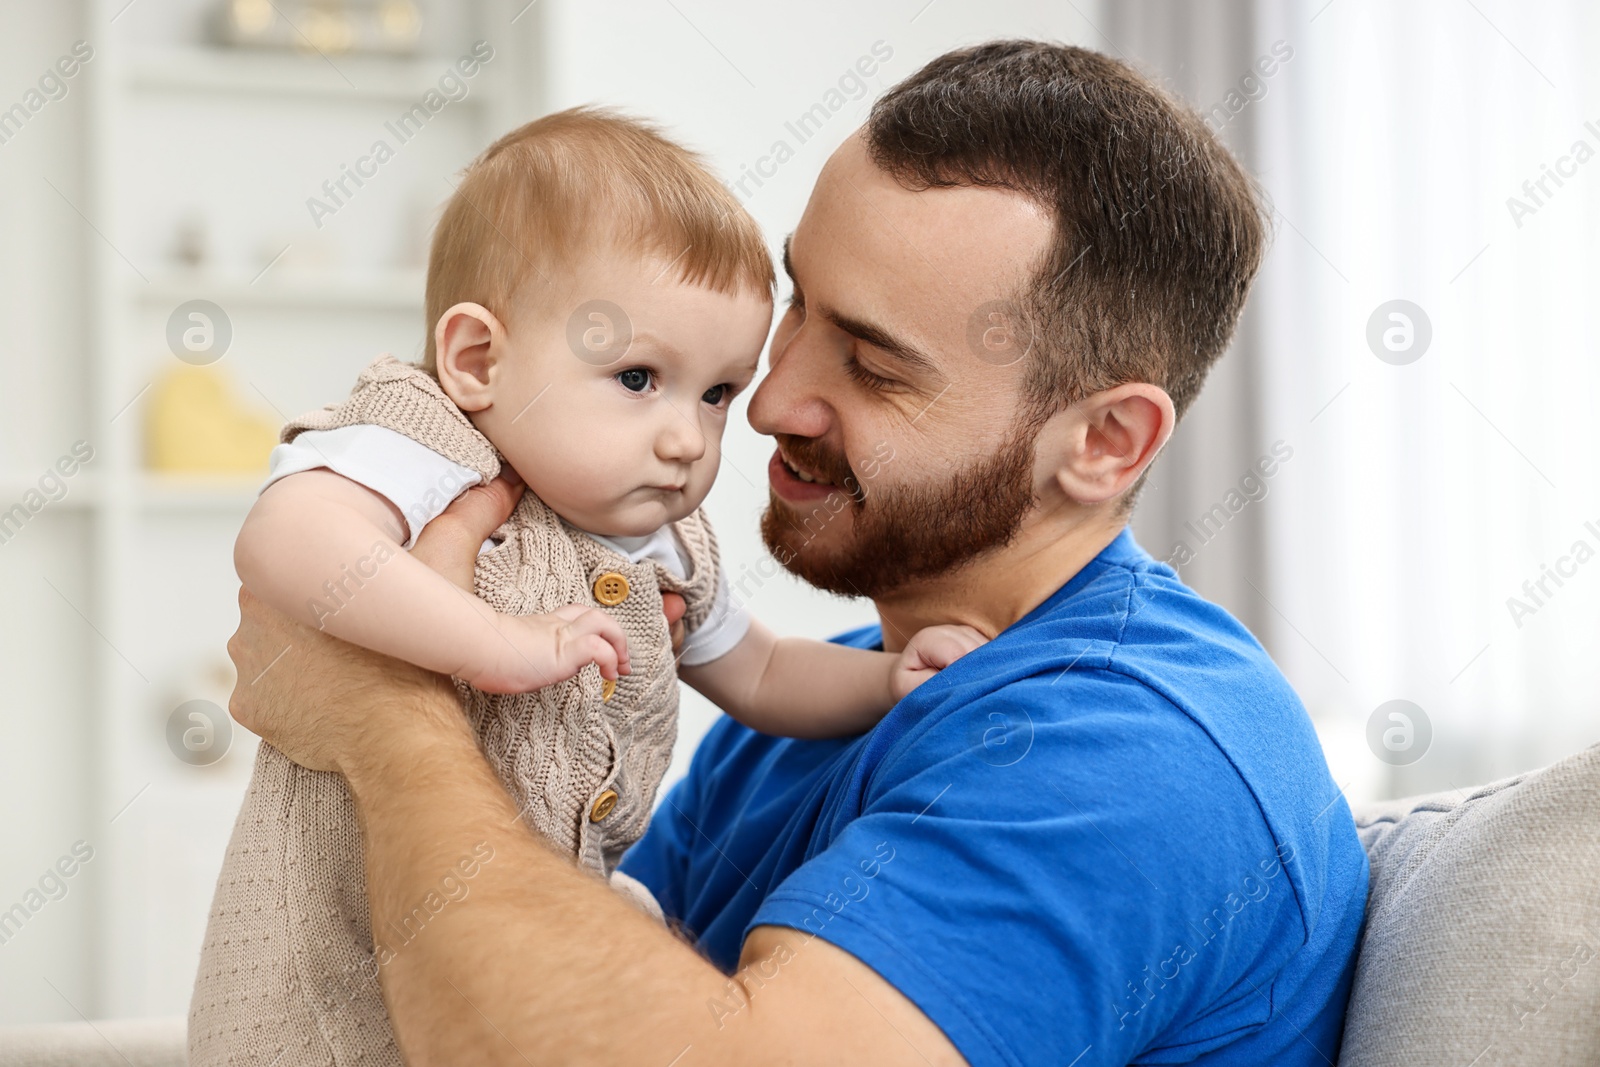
(598, 300)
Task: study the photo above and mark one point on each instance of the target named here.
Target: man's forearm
(539, 962)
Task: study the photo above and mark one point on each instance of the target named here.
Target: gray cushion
(110, 1043)
(1482, 938)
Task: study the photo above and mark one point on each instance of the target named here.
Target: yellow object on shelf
(196, 424)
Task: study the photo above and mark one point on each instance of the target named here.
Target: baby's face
(611, 403)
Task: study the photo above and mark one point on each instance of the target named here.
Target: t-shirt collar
(1123, 551)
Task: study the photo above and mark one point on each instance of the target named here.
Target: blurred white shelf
(161, 98)
(161, 493)
(386, 291)
(82, 490)
(354, 78)
(149, 491)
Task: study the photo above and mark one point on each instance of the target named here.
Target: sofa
(1481, 946)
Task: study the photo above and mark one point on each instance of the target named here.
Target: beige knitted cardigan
(288, 969)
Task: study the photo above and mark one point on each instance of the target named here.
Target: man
(1107, 836)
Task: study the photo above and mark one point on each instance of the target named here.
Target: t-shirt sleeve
(723, 628)
(418, 481)
(1049, 873)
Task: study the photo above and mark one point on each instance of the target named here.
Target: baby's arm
(794, 687)
(325, 551)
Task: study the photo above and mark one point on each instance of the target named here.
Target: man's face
(893, 394)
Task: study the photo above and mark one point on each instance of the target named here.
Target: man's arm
(540, 962)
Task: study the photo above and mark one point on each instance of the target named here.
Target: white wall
(46, 650)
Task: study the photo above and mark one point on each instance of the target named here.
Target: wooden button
(611, 589)
(603, 805)
(607, 687)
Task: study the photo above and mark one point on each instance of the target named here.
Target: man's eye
(717, 395)
(634, 379)
(862, 375)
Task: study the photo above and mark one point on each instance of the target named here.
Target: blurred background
(1389, 479)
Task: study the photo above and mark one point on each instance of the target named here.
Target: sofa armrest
(105, 1043)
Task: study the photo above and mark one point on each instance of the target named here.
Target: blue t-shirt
(1106, 837)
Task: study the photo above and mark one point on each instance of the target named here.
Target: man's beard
(902, 534)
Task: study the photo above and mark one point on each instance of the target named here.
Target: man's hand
(449, 544)
(673, 606)
(310, 695)
(325, 703)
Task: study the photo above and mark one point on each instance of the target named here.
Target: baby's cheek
(554, 472)
(703, 476)
(604, 477)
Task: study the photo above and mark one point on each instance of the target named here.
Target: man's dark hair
(1158, 230)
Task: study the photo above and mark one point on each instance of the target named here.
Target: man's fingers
(259, 628)
(673, 607)
(309, 694)
(263, 642)
(449, 544)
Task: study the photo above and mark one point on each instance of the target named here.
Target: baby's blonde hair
(550, 193)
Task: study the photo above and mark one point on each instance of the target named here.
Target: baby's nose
(681, 441)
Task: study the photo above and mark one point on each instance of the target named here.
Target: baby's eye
(635, 379)
(717, 395)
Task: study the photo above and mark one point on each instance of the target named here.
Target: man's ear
(468, 342)
(1104, 442)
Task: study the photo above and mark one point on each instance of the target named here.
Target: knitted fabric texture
(288, 968)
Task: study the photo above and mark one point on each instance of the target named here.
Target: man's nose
(793, 397)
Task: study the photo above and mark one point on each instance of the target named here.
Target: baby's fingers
(965, 638)
(597, 650)
(601, 638)
(940, 646)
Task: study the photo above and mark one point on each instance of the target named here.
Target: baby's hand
(533, 651)
(930, 650)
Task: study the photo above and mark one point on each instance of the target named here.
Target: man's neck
(1000, 587)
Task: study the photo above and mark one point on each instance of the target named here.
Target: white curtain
(1200, 51)
(1423, 494)
(1445, 153)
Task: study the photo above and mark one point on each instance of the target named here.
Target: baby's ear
(467, 343)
